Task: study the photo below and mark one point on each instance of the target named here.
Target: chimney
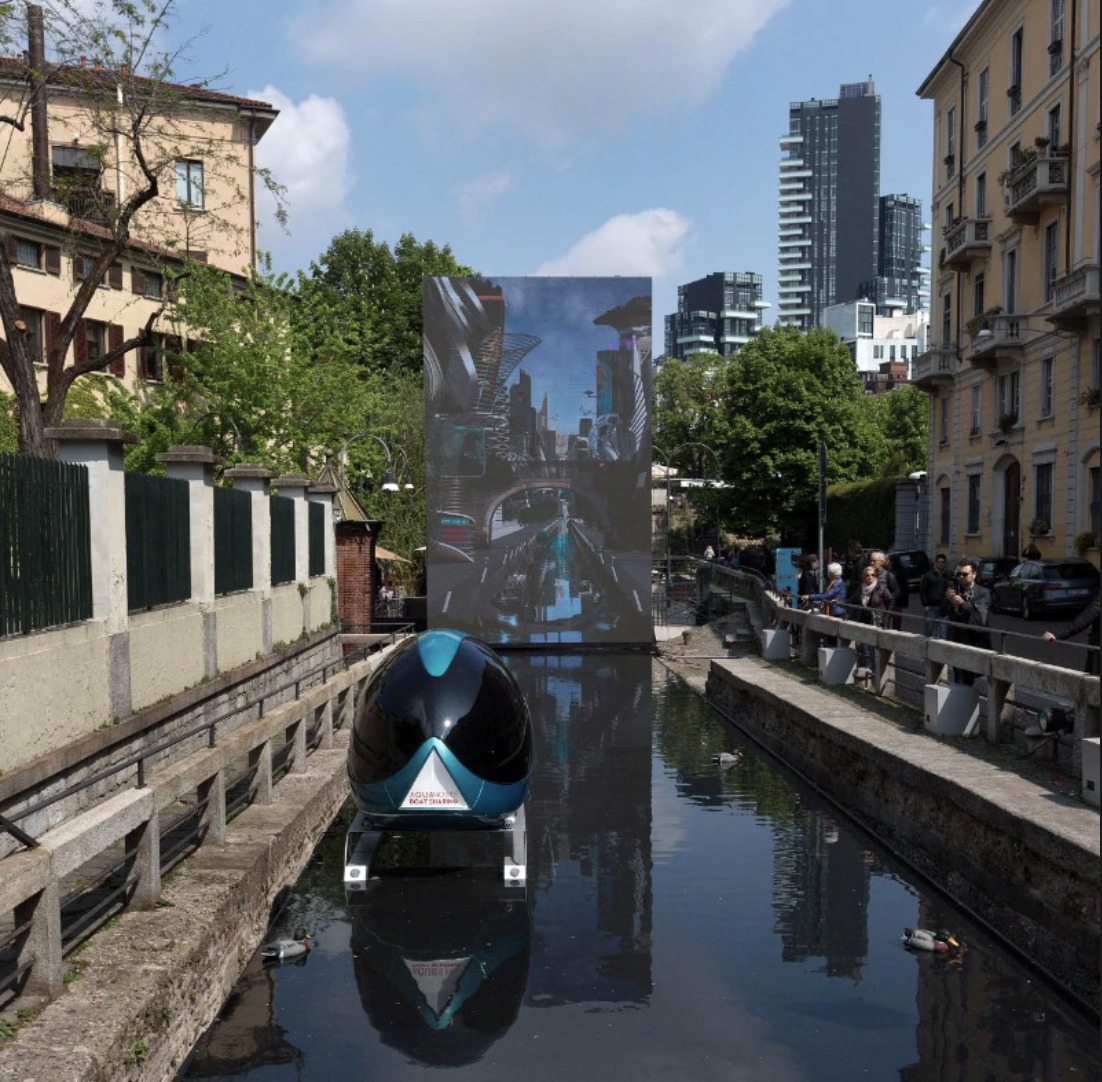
(40, 136)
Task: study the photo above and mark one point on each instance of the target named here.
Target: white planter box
(837, 665)
(1090, 770)
(776, 645)
(950, 709)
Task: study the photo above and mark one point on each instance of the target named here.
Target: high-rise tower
(899, 287)
(829, 202)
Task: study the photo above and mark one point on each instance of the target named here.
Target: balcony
(966, 240)
(1000, 338)
(938, 365)
(1075, 296)
(1035, 185)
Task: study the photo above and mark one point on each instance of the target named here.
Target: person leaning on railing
(834, 595)
(1088, 618)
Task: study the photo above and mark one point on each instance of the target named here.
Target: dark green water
(683, 920)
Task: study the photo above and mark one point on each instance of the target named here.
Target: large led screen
(537, 426)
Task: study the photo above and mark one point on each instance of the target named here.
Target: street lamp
(389, 484)
(666, 457)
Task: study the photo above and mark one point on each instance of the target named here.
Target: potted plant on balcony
(1085, 541)
(1089, 398)
(974, 325)
(1006, 422)
(1041, 143)
(1039, 528)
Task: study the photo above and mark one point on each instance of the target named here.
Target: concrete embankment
(148, 986)
(1022, 858)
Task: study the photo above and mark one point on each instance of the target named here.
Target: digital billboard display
(537, 432)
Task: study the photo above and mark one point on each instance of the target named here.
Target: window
(1009, 398)
(35, 333)
(1093, 481)
(1045, 391)
(946, 319)
(151, 359)
(1056, 38)
(1054, 139)
(981, 108)
(76, 181)
(1052, 257)
(1095, 352)
(973, 526)
(148, 284)
(950, 216)
(977, 295)
(28, 253)
(864, 319)
(1042, 493)
(189, 183)
(1010, 280)
(943, 427)
(945, 511)
(950, 141)
(891, 353)
(95, 334)
(977, 411)
(981, 195)
(1014, 91)
(83, 265)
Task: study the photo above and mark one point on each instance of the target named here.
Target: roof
(965, 31)
(93, 75)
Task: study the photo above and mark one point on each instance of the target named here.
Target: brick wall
(355, 573)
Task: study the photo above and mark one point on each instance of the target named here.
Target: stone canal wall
(1022, 858)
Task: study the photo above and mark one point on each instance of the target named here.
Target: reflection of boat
(440, 961)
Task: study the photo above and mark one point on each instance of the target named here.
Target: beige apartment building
(1012, 367)
(203, 152)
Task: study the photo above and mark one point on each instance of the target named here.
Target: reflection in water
(683, 920)
(440, 960)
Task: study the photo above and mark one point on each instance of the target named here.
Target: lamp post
(389, 484)
(666, 458)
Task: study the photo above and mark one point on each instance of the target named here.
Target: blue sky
(634, 137)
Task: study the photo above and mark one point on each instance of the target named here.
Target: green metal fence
(233, 540)
(283, 539)
(158, 541)
(317, 538)
(45, 544)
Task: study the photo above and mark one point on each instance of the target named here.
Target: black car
(913, 563)
(993, 568)
(1040, 587)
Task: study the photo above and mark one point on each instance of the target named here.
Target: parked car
(913, 563)
(1037, 588)
(993, 568)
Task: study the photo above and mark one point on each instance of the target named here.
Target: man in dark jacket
(967, 606)
(931, 592)
(1088, 618)
(888, 578)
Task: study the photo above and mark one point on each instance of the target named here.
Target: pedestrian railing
(173, 806)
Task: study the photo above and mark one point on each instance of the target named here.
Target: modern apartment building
(1013, 365)
(901, 284)
(884, 348)
(829, 193)
(716, 314)
(60, 184)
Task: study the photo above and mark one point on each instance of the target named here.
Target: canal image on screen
(537, 432)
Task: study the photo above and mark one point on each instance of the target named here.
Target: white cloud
(307, 150)
(649, 243)
(553, 71)
(478, 196)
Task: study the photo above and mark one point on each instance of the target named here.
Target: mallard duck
(727, 758)
(920, 939)
(280, 950)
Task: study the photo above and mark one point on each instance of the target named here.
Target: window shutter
(78, 267)
(80, 342)
(137, 281)
(114, 339)
(114, 276)
(175, 346)
(143, 362)
(53, 325)
(12, 248)
(52, 260)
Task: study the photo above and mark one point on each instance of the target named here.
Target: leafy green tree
(902, 415)
(781, 396)
(375, 296)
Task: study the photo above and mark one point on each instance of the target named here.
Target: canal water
(683, 919)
